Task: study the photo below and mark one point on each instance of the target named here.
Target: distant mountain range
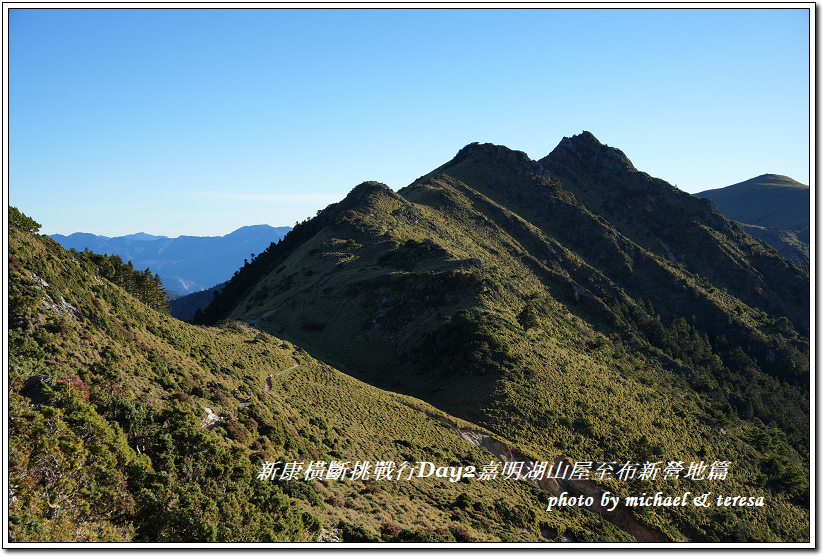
(771, 207)
(186, 264)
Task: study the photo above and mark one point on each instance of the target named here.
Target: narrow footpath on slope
(213, 419)
(269, 377)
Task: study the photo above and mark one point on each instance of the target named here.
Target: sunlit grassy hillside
(128, 425)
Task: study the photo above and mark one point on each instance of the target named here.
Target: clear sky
(200, 121)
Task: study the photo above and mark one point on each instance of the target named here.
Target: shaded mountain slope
(792, 244)
(489, 290)
(649, 276)
(676, 225)
(773, 208)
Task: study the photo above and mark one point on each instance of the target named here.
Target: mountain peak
(772, 181)
(477, 152)
(143, 237)
(585, 137)
(780, 177)
(360, 195)
(585, 147)
(500, 152)
(369, 188)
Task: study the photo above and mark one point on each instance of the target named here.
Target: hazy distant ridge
(187, 263)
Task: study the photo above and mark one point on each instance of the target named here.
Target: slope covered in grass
(128, 425)
(487, 289)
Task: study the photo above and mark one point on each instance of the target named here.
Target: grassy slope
(140, 381)
(378, 290)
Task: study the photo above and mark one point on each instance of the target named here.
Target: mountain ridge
(645, 209)
(483, 283)
(771, 207)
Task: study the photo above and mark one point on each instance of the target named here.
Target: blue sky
(197, 122)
